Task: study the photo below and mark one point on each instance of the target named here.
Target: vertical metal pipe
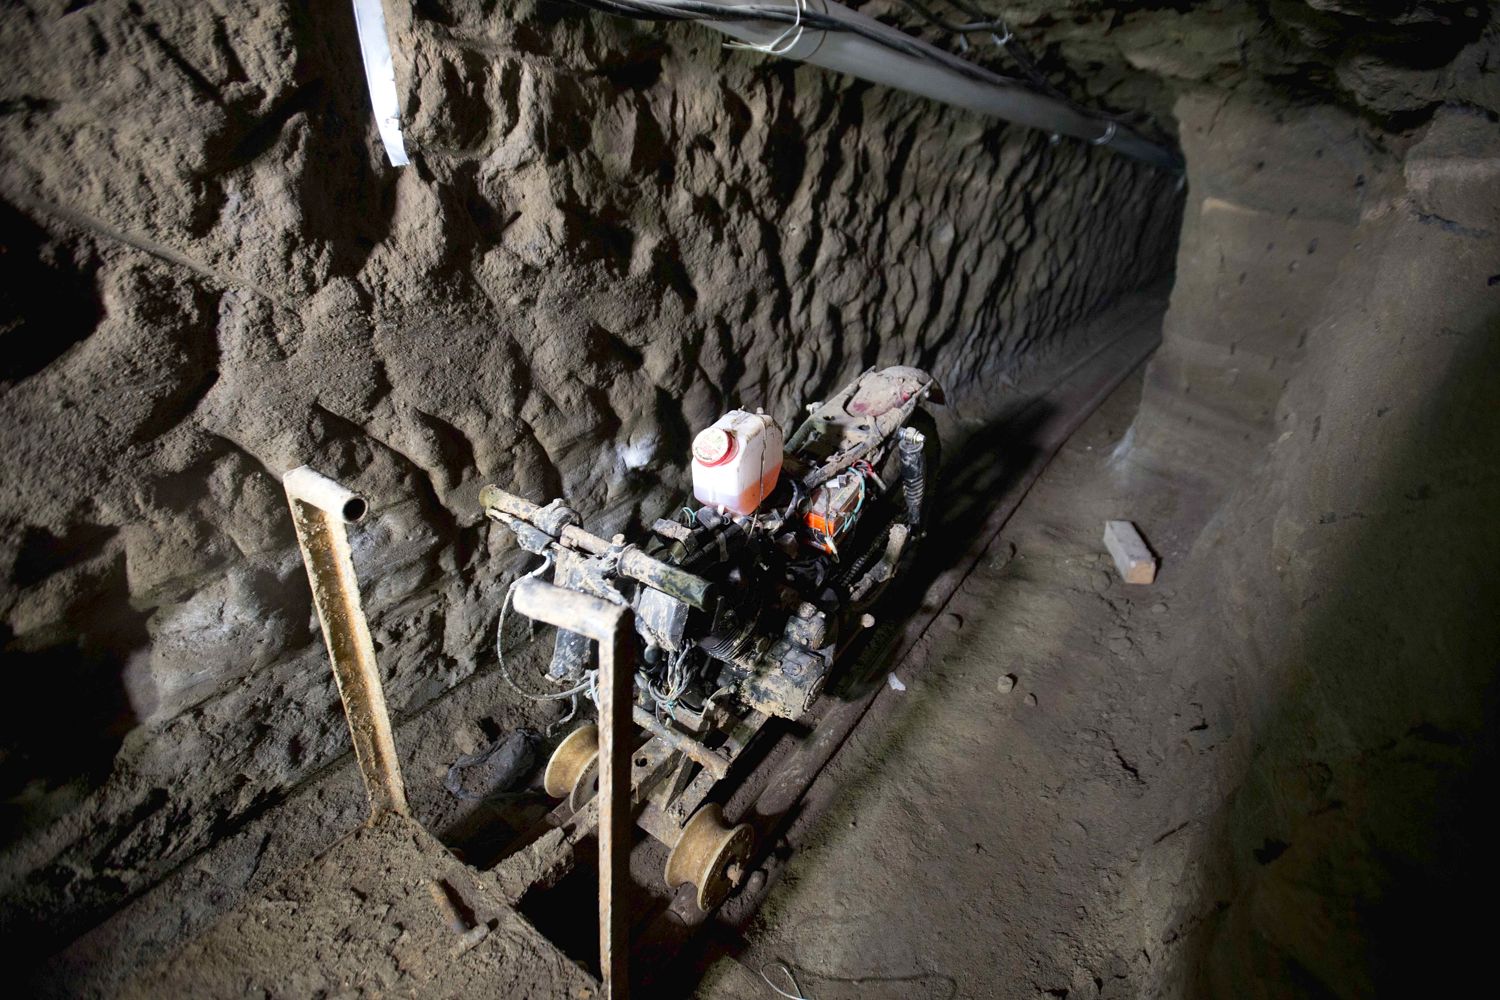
(616, 673)
(321, 509)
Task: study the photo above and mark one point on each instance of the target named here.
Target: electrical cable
(791, 978)
(1014, 49)
(692, 10)
(588, 681)
(776, 48)
(800, 17)
(973, 27)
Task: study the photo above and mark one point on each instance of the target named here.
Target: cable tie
(774, 46)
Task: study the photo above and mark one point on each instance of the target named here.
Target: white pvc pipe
(846, 52)
(380, 76)
(310, 486)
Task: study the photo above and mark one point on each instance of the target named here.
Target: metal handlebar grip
(668, 579)
(633, 563)
(507, 503)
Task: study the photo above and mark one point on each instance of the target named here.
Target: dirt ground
(991, 824)
(366, 919)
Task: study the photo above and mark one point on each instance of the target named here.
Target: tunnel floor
(991, 819)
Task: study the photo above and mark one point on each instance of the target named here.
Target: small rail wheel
(710, 855)
(573, 767)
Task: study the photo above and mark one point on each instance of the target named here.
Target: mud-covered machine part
(739, 617)
(572, 771)
(710, 855)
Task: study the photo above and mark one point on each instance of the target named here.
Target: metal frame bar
(321, 511)
(612, 626)
(710, 760)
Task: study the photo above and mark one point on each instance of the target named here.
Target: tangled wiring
(677, 678)
(589, 684)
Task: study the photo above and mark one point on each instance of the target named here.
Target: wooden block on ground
(1132, 558)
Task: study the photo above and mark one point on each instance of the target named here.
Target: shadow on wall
(67, 711)
(1359, 841)
(1354, 586)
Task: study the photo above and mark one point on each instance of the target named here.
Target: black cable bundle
(691, 10)
(804, 16)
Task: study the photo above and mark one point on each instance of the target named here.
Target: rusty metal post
(321, 510)
(613, 628)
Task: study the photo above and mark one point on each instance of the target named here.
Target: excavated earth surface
(211, 277)
(611, 233)
(365, 920)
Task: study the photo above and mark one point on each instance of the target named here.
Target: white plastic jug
(736, 461)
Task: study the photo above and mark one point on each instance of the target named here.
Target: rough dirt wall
(1328, 369)
(1347, 581)
(211, 276)
(1390, 62)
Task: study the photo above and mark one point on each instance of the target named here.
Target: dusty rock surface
(211, 276)
(1394, 64)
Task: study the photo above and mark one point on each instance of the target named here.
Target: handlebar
(561, 524)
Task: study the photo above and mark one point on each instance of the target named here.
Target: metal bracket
(321, 512)
(613, 628)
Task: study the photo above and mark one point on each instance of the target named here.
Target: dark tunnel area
(1240, 290)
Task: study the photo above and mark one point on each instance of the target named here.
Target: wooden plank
(1132, 558)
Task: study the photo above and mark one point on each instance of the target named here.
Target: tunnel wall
(1328, 373)
(614, 232)
(1325, 386)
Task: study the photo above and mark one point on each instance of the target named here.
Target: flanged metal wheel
(711, 856)
(573, 769)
